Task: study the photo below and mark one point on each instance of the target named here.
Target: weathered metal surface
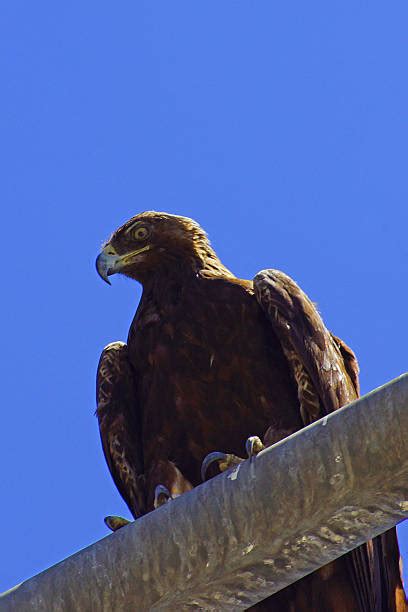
(247, 534)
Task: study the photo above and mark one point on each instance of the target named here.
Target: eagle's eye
(140, 233)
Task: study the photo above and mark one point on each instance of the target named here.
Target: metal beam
(247, 534)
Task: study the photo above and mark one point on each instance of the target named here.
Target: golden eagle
(211, 359)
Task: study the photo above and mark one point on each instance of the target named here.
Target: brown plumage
(210, 360)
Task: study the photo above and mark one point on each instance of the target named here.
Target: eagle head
(154, 242)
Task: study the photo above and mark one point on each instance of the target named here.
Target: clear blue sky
(281, 127)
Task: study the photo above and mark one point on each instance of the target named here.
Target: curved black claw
(161, 496)
(115, 522)
(209, 460)
(225, 461)
(253, 446)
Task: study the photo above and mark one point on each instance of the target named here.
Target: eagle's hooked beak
(109, 262)
(106, 263)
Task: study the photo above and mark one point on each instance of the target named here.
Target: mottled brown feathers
(308, 344)
(211, 359)
(119, 421)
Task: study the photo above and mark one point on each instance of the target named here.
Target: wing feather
(120, 425)
(304, 336)
(326, 372)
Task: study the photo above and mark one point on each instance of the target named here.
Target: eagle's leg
(164, 483)
(115, 522)
(226, 461)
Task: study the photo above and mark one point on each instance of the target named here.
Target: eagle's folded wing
(326, 372)
(120, 425)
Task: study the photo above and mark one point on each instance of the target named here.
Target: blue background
(281, 127)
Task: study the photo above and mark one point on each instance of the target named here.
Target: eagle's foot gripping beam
(161, 496)
(226, 461)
